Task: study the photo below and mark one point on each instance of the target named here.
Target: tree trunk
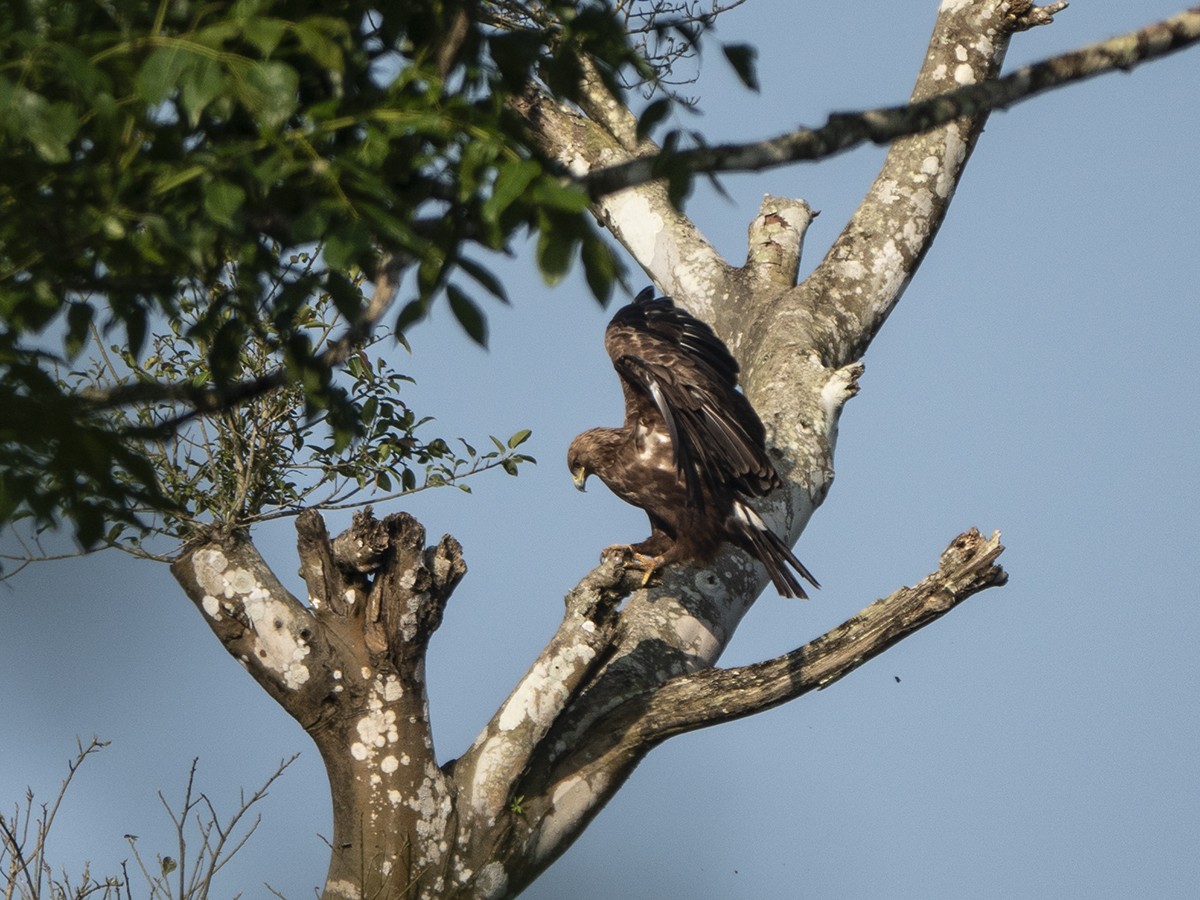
(610, 685)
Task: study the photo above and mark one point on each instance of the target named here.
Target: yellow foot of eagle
(631, 559)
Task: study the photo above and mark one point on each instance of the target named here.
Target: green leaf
(264, 33)
(79, 320)
(511, 183)
(601, 267)
(414, 311)
(161, 72)
(514, 52)
(555, 250)
(269, 92)
(652, 115)
(549, 191)
(346, 295)
(743, 58)
(484, 276)
(316, 39)
(468, 314)
(519, 438)
(345, 248)
(199, 86)
(50, 127)
(222, 201)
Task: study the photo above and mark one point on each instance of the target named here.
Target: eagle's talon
(632, 559)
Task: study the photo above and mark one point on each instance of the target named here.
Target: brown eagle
(692, 450)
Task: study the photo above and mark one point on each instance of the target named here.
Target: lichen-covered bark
(349, 666)
(613, 682)
(798, 346)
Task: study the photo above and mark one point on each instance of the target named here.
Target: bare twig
(843, 131)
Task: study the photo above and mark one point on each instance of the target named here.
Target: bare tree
(347, 662)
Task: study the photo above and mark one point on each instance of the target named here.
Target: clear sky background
(1039, 377)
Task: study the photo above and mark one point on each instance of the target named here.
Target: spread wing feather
(692, 450)
(673, 363)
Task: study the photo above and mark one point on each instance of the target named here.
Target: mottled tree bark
(611, 684)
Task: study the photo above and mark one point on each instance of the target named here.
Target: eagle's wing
(678, 375)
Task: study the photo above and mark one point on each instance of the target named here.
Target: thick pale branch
(718, 695)
(881, 126)
(488, 771)
(260, 623)
(567, 793)
(774, 244)
(663, 240)
(805, 337)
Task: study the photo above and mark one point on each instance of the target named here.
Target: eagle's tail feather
(771, 551)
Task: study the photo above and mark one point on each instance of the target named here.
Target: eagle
(692, 452)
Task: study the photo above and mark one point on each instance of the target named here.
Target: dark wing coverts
(692, 450)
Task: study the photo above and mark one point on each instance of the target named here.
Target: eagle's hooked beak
(580, 477)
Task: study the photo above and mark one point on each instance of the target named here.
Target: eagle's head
(578, 456)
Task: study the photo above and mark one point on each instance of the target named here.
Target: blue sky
(1039, 377)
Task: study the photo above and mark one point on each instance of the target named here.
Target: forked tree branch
(843, 131)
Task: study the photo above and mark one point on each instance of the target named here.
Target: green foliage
(278, 452)
(150, 149)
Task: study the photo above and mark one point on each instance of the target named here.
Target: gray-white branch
(843, 131)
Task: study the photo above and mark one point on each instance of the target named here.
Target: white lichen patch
(277, 644)
(378, 727)
(570, 803)
(640, 225)
(696, 637)
(432, 805)
(492, 882)
(389, 764)
(840, 387)
(956, 152)
(493, 760)
(852, 269)
(543, 691)
(888, 265)
(391, 689)
(964, 74)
